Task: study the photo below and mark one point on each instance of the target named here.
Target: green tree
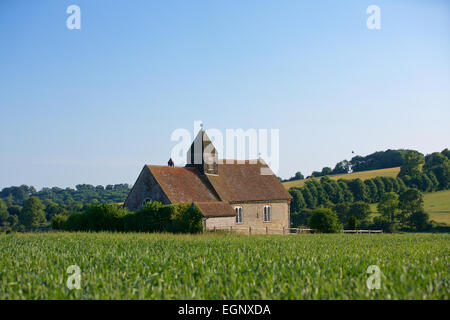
(419, 220)
(58, 221)
(384, 224)
(52, 209)
(352, 223)
(360, 210)
(32, 214)
(9, 200)
(388, 206)
(380, 186)
(426, 185)
(322, 196)
(191, 220)
(411, 201)
(298, 176)
(401, 185)
(326, 171)
(332, 189)
(439, 165)
(324, 220)
(347, 194)
(300, 219)
(338, 195)
(342, 210)
(316, 174)
(372, 191)
(13, 221)
(342, 167)
(298, 202)
(15, 210)
(433, 179)
(310, 201)
(358, 189)
(388, 185)
(446, 153)
(411, 164)
(4, 214)
(394, 184)
(311, 186)
(379, 160)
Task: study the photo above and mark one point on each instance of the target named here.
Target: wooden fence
(267, 230)
(362, 231)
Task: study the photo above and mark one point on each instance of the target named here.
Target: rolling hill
(363, 175)
(437, 204)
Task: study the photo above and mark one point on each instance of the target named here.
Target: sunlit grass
(437, 205)
(163, 266)
(363, 175)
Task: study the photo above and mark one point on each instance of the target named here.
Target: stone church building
(229, 193)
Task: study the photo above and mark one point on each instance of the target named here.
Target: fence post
(249, 231)
(283, 229)
(231, 228)
(214, 228)
(267, 230)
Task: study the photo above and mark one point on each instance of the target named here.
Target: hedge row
(154, 217)
(432, 176)
(326, 192)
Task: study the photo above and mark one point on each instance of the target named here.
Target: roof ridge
(165, 166)
(209, 185)
(221, 201)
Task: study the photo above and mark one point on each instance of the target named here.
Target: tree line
(404, 212)
(24, 208)
(350, 199)
(81, 195)
(377, 160)
(154, 217)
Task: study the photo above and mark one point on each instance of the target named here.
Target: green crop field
(363, 175)
(215, 266)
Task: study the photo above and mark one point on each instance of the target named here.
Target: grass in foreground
(363, 175)
(156, 266)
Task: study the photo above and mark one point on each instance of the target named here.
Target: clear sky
(94, 105)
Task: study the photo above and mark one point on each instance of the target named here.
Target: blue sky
(94, 105)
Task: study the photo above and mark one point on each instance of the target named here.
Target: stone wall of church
(221, 223)
(145, 188)
(253, 214)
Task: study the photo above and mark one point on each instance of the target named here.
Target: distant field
(437, 204)
(215, 266)
(363, 175)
